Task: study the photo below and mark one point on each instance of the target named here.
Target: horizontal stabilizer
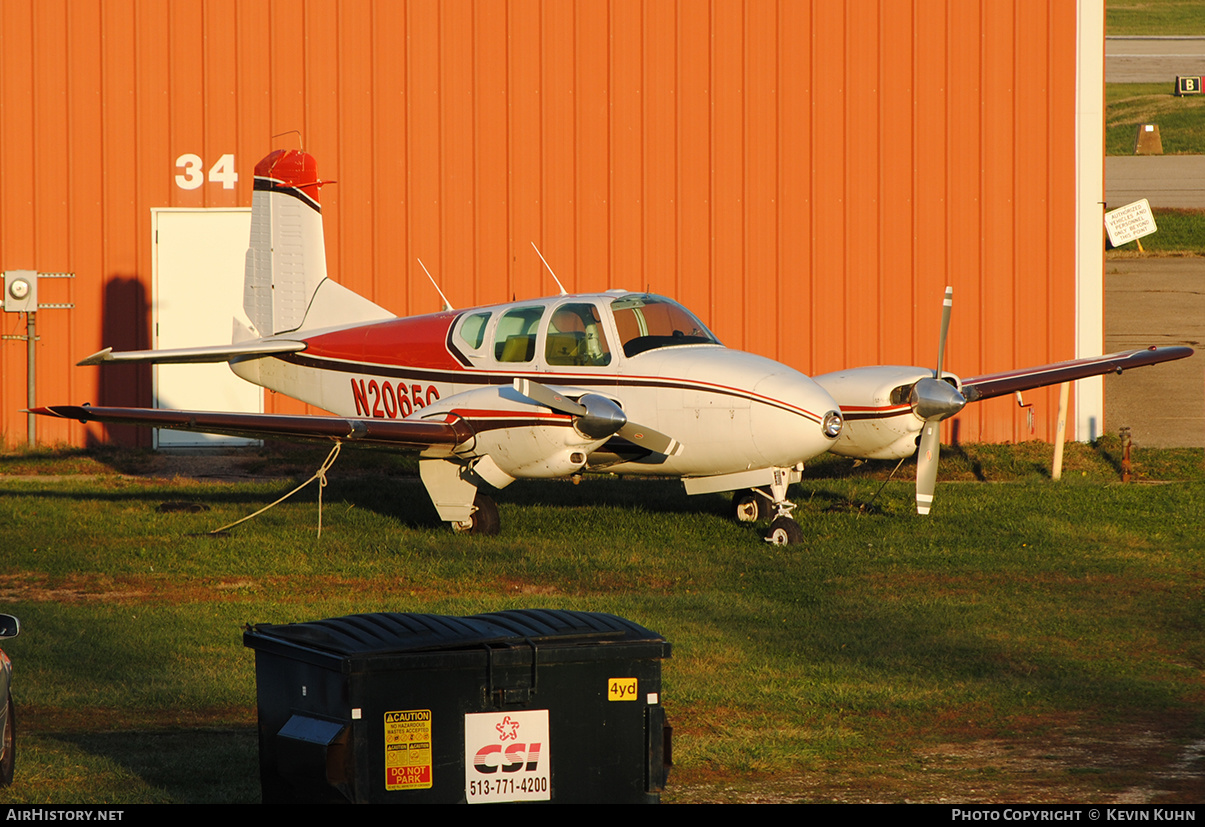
(406, 434)
(215, 353)
(1000, 384)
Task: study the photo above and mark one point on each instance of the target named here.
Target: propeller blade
(934, 400)
(946, 305)
(654, 441)
(547, 397)
(597, 417)
(926, 465)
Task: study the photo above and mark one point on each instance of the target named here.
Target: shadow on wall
(125, 325)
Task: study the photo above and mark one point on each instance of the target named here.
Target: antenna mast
(554, 278)
(447, 304)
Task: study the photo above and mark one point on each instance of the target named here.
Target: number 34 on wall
(220, 173)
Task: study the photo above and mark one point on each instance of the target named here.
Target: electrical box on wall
(20, 291)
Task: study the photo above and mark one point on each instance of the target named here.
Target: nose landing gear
(753, 505)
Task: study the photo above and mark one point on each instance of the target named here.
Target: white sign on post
(1131, 222)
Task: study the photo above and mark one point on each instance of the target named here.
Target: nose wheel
(784, 531)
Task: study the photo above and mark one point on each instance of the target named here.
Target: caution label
(408, 750)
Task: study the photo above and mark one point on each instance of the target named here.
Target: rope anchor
(319, 475)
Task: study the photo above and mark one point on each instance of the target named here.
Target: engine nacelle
(886, 428)
(521, 439)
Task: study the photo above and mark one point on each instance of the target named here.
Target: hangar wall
(806, 176)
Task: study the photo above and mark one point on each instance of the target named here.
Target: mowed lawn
(1029, 641)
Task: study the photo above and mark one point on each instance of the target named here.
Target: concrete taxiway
(1157, 301)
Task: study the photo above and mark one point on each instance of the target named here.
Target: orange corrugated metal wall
(806, 176)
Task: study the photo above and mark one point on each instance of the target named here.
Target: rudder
(286, 259)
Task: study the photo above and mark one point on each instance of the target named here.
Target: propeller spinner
(597, 417)
(933, 399)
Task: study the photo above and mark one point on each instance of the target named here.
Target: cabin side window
(472, 330)
(575, 337)
(515, 338)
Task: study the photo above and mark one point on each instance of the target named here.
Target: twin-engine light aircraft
(630, 383)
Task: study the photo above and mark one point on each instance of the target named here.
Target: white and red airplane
(628, 383)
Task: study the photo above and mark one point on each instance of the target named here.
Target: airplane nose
(797, 421)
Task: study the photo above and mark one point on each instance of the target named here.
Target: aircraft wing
(404, 434)
(999, 384)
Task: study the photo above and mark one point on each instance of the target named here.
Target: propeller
(933, 399)
(597, 417)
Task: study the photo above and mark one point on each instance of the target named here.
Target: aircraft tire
(784, 531)
(485, 520)
(748, 506)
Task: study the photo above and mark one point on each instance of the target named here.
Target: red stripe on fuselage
(411, 342)
(853, 413)
(481, 413)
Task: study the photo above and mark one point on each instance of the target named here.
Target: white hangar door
(199, 259)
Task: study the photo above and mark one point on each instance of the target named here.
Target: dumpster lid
(409, 632)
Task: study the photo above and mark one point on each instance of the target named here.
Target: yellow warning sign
(621, 689)
(408, 750)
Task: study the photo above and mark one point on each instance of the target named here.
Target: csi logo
(492, 757)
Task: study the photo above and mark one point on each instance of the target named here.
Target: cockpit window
(515, 338)
(575, 337)
(646, 322)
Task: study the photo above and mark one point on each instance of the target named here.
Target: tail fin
(286, 288)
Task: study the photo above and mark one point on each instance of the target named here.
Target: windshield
(646, 322)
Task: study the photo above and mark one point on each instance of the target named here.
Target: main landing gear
(484, 520)
(752, 505)
(453, 491)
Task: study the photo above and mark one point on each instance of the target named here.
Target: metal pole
(1060, 436)
(31, 395)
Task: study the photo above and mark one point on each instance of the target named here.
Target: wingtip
(43, 410)
(100, 357)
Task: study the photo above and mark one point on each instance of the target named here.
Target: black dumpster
(524, 705)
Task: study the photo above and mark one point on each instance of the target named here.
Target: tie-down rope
(319, 475)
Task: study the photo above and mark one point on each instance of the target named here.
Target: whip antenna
(554, 278)
(447, 304)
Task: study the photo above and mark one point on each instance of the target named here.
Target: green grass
(1024, 612)
(1154, 17)
(1181, 120)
